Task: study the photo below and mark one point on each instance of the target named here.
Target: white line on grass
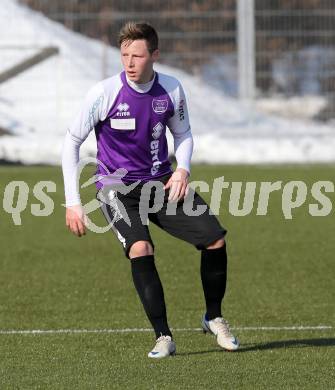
(136, 330)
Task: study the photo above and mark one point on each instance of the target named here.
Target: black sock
(150, 291)
(214, 278)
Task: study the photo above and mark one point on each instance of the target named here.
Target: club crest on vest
(159, 105)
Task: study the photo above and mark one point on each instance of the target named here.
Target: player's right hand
(178, 185)
(76, 220)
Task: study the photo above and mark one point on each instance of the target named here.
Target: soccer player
(130, 113)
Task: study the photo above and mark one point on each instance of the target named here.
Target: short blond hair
(132, 31)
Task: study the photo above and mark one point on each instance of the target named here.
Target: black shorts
(128, 215)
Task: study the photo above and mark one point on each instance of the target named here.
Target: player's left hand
(178, 185)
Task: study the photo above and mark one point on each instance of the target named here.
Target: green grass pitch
(281, 274)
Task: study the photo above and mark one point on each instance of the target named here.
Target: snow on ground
(300, 81)
(38, 105)
(303, 107)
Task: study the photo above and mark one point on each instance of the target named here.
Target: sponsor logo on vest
(160, 105)
(157, 130)
(123, 109)
(154, 152)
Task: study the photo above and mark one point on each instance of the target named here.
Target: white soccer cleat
(164, 347)
(219, 327)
